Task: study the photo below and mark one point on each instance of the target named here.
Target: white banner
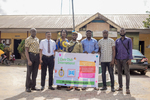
(76, 69)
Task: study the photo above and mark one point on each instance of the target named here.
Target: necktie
(48, 47)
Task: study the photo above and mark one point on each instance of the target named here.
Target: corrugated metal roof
(128, 21)
(40, 21)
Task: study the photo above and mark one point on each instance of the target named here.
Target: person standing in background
(74, 47)
(107, 56)
(123, 58)
(89, 45)
(61, 44)
(32, 55)
(47, 48)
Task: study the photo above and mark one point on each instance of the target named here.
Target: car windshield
(136, 53)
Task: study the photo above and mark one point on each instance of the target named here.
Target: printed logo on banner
(61, 72)
(71, 73)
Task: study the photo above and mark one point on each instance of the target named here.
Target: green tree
(2, 47)
(147, 22)
(21, 47)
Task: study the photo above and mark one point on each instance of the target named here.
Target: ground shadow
(63, 94)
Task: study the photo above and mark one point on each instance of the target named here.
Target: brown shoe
(76, 88)
(119, 89)
(127, 91)
(69, 89)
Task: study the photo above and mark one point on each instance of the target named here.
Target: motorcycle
(3, 60)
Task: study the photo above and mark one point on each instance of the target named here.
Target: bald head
(105, 34)
(122, 32)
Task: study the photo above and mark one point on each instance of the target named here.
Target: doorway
(141, 47)
(16, 44)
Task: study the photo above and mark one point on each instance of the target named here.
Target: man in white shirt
(107, 51)
(47, 48)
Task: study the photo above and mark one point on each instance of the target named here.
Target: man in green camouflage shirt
(76, 49)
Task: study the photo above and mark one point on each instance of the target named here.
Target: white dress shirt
(44, 47)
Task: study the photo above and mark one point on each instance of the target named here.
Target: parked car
(138, 63)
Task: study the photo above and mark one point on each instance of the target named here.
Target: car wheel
(143, 72)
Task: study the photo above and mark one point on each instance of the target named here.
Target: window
(83, 28)
(113, 28)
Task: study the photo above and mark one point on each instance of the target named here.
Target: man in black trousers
(32, 55)
(47, 48)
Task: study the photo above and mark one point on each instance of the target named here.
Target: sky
(49, 7)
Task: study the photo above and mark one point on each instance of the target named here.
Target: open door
(141, 47)
(16, 44)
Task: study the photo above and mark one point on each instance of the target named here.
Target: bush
(21, 47)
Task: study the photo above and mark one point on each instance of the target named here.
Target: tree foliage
(147, 22)
(1, 46)
(21, 47)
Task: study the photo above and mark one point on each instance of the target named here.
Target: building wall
(146, 39)
(135, 39)
(22, 36)
(98, 26)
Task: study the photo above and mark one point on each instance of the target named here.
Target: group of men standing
(111, 52)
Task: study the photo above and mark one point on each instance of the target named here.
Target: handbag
(70, 49)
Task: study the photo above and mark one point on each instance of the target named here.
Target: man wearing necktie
(47, 48)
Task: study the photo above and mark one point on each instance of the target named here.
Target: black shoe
(42, 88)
(103, 88)
(84, 88)
(28, 90)
(51, 88)
(112, 90)
(35, 89)
(59, 87)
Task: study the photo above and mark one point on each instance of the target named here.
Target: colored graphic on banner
(87, 63)
(71, 72)
(86, 75)
(75, 82)
(87, 69)
(61, 72)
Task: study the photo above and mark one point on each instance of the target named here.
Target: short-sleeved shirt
(77, 48)
(90, 46)
(106, 49)
(44, 47)
(32, 44)
(59, 44)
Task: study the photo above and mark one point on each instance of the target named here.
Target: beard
(122, 35)
(105, 37)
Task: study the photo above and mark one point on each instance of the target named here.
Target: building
(14, 28)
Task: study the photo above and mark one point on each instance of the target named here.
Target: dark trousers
(47, 61)
(111, 70)
(32, 71)
(123, 64)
